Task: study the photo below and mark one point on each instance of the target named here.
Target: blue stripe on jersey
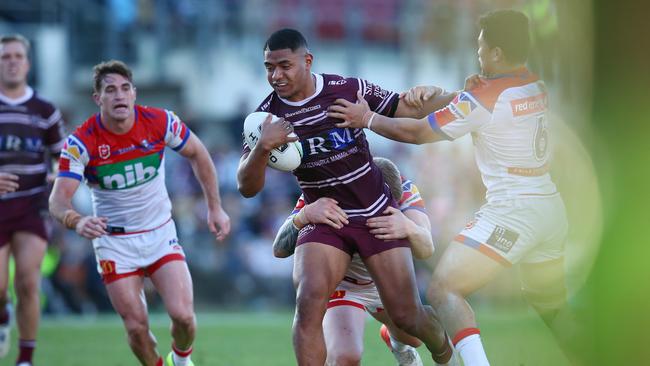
(70, 175)
(185, 138)
(434, 126)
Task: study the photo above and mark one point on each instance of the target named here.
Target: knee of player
(545, 300)
(311, 296)
(404, 319)
(27, 286)
(136, 327)
(344, 358)
(184, 319)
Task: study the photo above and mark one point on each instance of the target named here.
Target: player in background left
(31, 136)
(119, 152)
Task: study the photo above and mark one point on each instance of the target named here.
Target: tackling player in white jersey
(524, 219)
(345, 318)
(119, 152)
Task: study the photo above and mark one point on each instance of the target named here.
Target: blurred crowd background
(203, 59)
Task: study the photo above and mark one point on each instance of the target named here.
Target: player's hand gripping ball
(286, 157)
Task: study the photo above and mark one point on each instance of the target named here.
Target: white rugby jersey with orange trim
(357, 271)
(507, 118)
(126, 173)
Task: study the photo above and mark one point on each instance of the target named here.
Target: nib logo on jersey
(127, 174)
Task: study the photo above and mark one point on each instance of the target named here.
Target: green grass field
(512, 338)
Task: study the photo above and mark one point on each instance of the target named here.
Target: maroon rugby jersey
(29, 127)
(336, 162)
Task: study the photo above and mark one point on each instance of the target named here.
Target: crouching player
(344, 321)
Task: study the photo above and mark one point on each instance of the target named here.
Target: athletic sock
(26, 347)
(181, 357)
(159, 362)
(396, 345)
(468, 343)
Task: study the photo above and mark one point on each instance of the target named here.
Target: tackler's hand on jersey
(392, 226)
(324, 210)
(355, 115)
(473, 81)
(218, 223)
(8, 183)
(276, 134)
(91, 227)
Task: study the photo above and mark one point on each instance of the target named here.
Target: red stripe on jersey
(488, 92)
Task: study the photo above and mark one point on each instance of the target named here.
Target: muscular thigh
(319, 267)
(127, 297)
(174, 284)
(28, 250)
(392, 271)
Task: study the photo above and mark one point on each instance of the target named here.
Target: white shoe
(5, 332)
(24, 364)
(408, 357)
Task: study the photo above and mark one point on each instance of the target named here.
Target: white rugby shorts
(141, 254)
(364, 297)
(530, 229)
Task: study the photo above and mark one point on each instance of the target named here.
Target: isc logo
(128, 174)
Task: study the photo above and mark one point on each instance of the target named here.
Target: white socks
(471, 351)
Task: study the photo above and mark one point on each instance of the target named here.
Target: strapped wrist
(368, 117)
(71, 219)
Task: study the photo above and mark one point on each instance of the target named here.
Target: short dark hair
(16, 38)
(110, 67)
(285, 38)
(392, 176)
(508, 30)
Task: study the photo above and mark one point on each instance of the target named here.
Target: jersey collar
(319, 88)
(29, 93)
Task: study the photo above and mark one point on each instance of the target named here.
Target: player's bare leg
(318, 268)
(28, 251)
(393, 273)
(543, 287)
(127, 297)
(461, 271)
(395, 332)
(343, 327)
(4, 300)
(174, 284)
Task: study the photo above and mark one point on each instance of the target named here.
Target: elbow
(280, 253)
(246, 192)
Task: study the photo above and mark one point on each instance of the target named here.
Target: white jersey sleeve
(177, 132)
(74, 158)
(463, 115)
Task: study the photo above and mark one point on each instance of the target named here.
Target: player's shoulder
(265, 106)
(41, 106)
(152, 114)
(489, 92)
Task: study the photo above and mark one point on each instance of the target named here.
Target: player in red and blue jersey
(31, 136)
(119, 153)
(336, 164)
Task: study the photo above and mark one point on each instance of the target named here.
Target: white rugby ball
(286, 157)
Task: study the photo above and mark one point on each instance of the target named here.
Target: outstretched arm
(419, 101)
(60, 203)
(197, 154)
(250, 173)
(359, 115)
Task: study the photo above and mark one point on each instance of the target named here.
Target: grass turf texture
(514, 338)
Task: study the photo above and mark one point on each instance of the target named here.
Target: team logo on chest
(104, 151)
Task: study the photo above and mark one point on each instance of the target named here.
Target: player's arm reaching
(419, 101)
(199, 158)
(412, 225)
(250, 174)
(323, 211)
